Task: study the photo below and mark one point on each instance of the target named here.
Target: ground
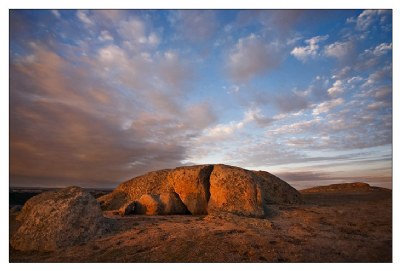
(329, 227)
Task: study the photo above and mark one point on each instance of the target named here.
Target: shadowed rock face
(115, 200)
(172, 204)
(52, 220)
(204, 189)
(127, 209)
(164, 204)
(277, 191)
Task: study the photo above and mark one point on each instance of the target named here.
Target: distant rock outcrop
(56, 219)
(203, 189)
(341, 187)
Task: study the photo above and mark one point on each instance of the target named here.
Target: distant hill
(344, 187)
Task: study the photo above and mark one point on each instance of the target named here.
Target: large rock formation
(203, 189)
(57, 219)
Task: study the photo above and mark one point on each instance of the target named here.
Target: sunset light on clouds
(100, 96)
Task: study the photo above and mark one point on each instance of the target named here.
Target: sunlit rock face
(56, 219)
(235, 190)
(202, 189)
(192, 184)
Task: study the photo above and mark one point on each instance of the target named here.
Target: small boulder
(192, 184)
(56, 219)
(236, 190)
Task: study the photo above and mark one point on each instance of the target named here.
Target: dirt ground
(328, 227)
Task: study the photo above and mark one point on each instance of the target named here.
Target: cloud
(220, 131)
(223, 131)
(283, 20)
(83, 17)
(325, 107)
(354, 80)
(309, 51)
(136, 34)
(342, 73)
(251, 56)
(308, 176)
(233, 89)
(382, 92)
(56, 13)
(299, 142)
(254, 114)
(382, 49)
(337, 88)
(173, 70)
(296, 128)
(195, 25)
(369, 17)
(105, 36)
(350, 127)
(374, 57)
(384, 74)
(292, 102)
(83, 114)
(275, 22)
(377, 105)
(339, 50)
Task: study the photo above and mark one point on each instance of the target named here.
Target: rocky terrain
(209, 213)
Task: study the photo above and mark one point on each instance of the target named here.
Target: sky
(100, 96)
